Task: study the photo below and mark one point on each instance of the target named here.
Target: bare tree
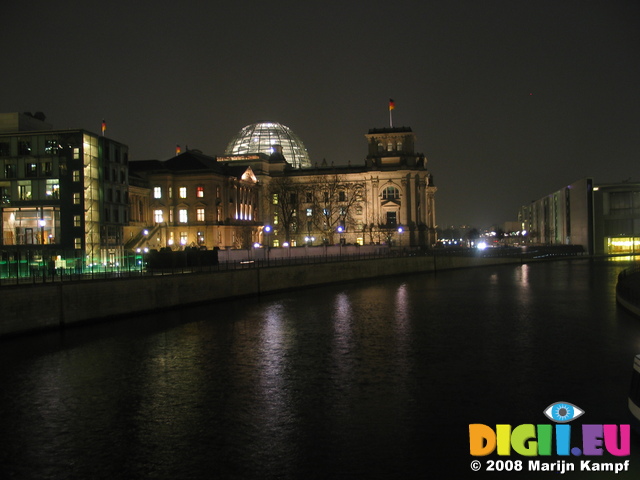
(332, 202)
(283, 194)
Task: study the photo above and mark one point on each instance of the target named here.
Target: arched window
(391, 193)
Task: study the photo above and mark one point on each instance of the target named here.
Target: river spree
(378, 379)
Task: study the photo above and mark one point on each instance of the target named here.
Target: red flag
(104, 126)
(178, 149)
(392, 104)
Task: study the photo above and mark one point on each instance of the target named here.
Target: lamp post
(42, 223)
(400, 230)
(340, 230)
(267, 231)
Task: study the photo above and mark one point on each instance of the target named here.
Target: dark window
(5, 149)
(10, 170)
(5, 194)
(31, 170)
(24, 147)
(391, 219)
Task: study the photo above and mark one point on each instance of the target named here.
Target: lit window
(183, 192)
(76, 153)
(76, 198)
(275, 198)
(77, 243)
(200, 214)
(182, 215)
(170, 192)
(24, 190)
(157, 192)
(183, 238)
(76, 175)
(200, 192)
(309, 212)
(77, 221)
(275, 218)
(53, 188)
(158, 217)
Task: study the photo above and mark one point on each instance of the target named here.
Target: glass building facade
(261, 138)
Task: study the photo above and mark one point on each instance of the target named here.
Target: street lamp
(400, 230)
(42, 222)
(267, 231)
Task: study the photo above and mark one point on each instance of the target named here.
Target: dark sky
(510, 99)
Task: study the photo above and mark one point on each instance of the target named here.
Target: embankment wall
(36, 307)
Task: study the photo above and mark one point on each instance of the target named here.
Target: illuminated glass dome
(261, 137)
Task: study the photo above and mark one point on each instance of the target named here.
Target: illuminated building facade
(390, 199)
(64, 195)
(191, 200)
(263, 137)
(617, 218)
(604, 219)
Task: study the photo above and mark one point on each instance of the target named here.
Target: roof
(390, 130)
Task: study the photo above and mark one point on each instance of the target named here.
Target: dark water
(379, 379)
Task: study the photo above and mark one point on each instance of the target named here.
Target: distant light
(340, 229)
(256, 245)
(400, 230)
(267, 228)
(145, 232)
(285, 244)
(481, 246)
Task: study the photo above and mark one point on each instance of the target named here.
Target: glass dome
(261, 137)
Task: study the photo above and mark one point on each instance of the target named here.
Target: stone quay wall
(36, 307)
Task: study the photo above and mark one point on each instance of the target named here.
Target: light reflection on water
(378, 379)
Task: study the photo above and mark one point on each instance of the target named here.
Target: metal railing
(39, 274)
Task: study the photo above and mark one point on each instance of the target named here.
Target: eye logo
(563, 412)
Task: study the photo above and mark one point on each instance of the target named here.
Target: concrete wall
(51, 306)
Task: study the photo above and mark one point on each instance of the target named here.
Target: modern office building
(64, 195)
(617, 218)
(603, 218)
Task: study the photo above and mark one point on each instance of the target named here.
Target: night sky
(510, 100)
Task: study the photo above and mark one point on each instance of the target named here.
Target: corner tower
(393, 147)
